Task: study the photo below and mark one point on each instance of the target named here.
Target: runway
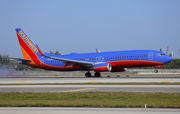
(68, 110)
(90, 88)
(73, 79)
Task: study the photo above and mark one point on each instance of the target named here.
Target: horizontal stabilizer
(18, 59)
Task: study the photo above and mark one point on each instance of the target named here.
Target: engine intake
(102, 67)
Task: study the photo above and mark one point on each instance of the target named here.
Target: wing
(65, 61)
(71, 61)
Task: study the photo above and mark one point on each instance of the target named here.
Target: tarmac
(80, 79)
(89, 88)
(76, 110)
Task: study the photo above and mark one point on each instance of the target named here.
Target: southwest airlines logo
(26, 39)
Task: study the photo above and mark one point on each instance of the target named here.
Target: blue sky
(82, 25)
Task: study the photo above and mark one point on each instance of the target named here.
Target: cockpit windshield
(161, 54)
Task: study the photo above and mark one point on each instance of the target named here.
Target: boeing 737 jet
(116, 61)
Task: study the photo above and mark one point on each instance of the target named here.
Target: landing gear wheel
(88, 74)
(97, 74)
(155, 71)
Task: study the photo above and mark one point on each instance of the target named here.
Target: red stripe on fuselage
(101, 69)
(133, 63)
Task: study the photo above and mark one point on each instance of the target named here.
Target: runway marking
(91, 81)
(165, 81)
(79, 90)
(21, 82)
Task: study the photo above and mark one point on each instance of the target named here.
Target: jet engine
(102, 67)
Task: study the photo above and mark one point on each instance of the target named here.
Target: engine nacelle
(102, 67)
(118, 69)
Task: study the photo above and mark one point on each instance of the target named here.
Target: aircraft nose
(168, 59)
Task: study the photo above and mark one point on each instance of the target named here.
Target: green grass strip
(167, 83)
(90, 99)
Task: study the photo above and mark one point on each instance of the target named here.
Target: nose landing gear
(155, 71)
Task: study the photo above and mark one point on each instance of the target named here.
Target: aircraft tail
(97, 51)
(28, 47)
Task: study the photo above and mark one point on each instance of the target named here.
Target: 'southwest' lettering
(26, 39)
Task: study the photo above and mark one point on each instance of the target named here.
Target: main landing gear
(96, 74)
(88, 74)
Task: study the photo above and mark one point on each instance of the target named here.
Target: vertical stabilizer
(28, 47)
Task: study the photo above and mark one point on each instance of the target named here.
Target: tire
(88, 74)
(155, 71)
(97, 74)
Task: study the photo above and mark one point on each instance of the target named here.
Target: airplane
(97, 51)
(115, 61)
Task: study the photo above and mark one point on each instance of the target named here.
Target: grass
(90, 99)
(130, 83)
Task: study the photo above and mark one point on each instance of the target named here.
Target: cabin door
(150, 55)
